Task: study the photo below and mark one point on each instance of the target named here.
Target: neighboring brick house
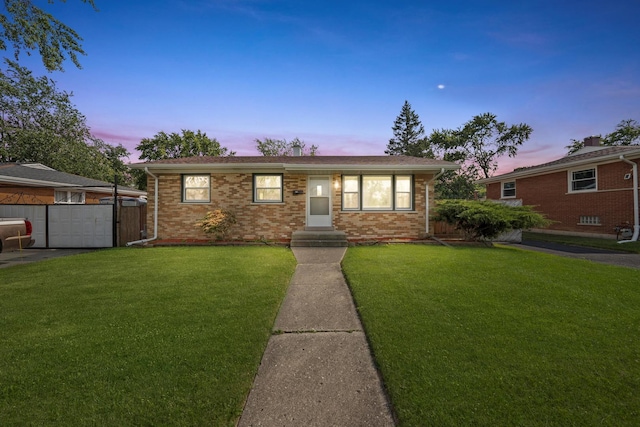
(590, 192)
(36, 184)
(366, 197)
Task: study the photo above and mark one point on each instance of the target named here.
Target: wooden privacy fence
(443, 230)
(131, 223)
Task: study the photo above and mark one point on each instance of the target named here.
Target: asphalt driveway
(604, 256)
(7, 259)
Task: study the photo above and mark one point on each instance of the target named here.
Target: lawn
(500, 336)
(162, 336)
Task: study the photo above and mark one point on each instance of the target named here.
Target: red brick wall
(11, 195)
(275, 222)
(613, 202)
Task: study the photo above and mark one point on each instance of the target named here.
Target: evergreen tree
(408, 135)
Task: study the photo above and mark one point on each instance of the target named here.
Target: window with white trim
(67, 197)
(404, 199)
(582, 180)
(351, 192)
(267, 188)
(377, 192)
(196, 188)
(508, 189)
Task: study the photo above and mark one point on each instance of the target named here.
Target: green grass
(591, 242)
(500, 336)
(163, 336)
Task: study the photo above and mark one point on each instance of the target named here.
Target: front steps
(319, 237)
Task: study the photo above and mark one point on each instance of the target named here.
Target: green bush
(484, 221)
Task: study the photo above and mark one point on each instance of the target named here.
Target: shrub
(217, 222)
(486, 220)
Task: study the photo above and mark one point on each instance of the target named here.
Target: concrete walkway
(317, 369)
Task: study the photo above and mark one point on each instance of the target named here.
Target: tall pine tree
(408, 135)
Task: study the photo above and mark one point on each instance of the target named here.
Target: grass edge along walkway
(500, 336)
(159, 336)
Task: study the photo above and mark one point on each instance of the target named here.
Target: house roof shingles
(596, 156)
(301, 162)
(35, 175)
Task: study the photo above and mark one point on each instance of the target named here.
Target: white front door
(319, 201)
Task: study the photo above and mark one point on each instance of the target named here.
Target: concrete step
(319, 239)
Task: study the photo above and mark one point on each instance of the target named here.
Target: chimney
(592, 141)
(297, 150)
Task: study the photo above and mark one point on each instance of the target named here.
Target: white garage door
(80, 226)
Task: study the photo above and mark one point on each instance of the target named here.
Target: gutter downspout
(155, 212)
(436, 176)
(636, 220)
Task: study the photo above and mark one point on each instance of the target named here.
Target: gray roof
(300, 163)
(601, 155)
(35, 174)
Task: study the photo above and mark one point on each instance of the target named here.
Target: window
(589, 220)
(267, 188)
(350, 192)
(377, 192)
(196, 188)
(403, 193)
(69, 197)
(582, 180)
(509, 189)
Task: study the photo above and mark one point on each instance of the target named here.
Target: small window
(69, 197)
(403, 193)
(583, 180)
(350, 192)
(267, 188)
(509, 189)
(196, 188)
(589, 220)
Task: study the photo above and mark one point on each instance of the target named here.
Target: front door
(319, 201)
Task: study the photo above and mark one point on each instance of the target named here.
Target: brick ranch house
(591, 192)
(364, 197)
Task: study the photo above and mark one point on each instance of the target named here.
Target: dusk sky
(336, 73)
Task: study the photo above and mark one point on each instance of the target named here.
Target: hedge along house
(282, 197)
(591, 192)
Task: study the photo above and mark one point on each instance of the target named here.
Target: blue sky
(336, 73)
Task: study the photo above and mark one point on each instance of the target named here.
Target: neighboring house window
(69, 197)
(196, 188)
(582, 180)
(589, 220)
(377, 192)
(509, 189)
(267, 188)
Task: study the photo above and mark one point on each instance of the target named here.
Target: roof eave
(554, 168)
(292, 167)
